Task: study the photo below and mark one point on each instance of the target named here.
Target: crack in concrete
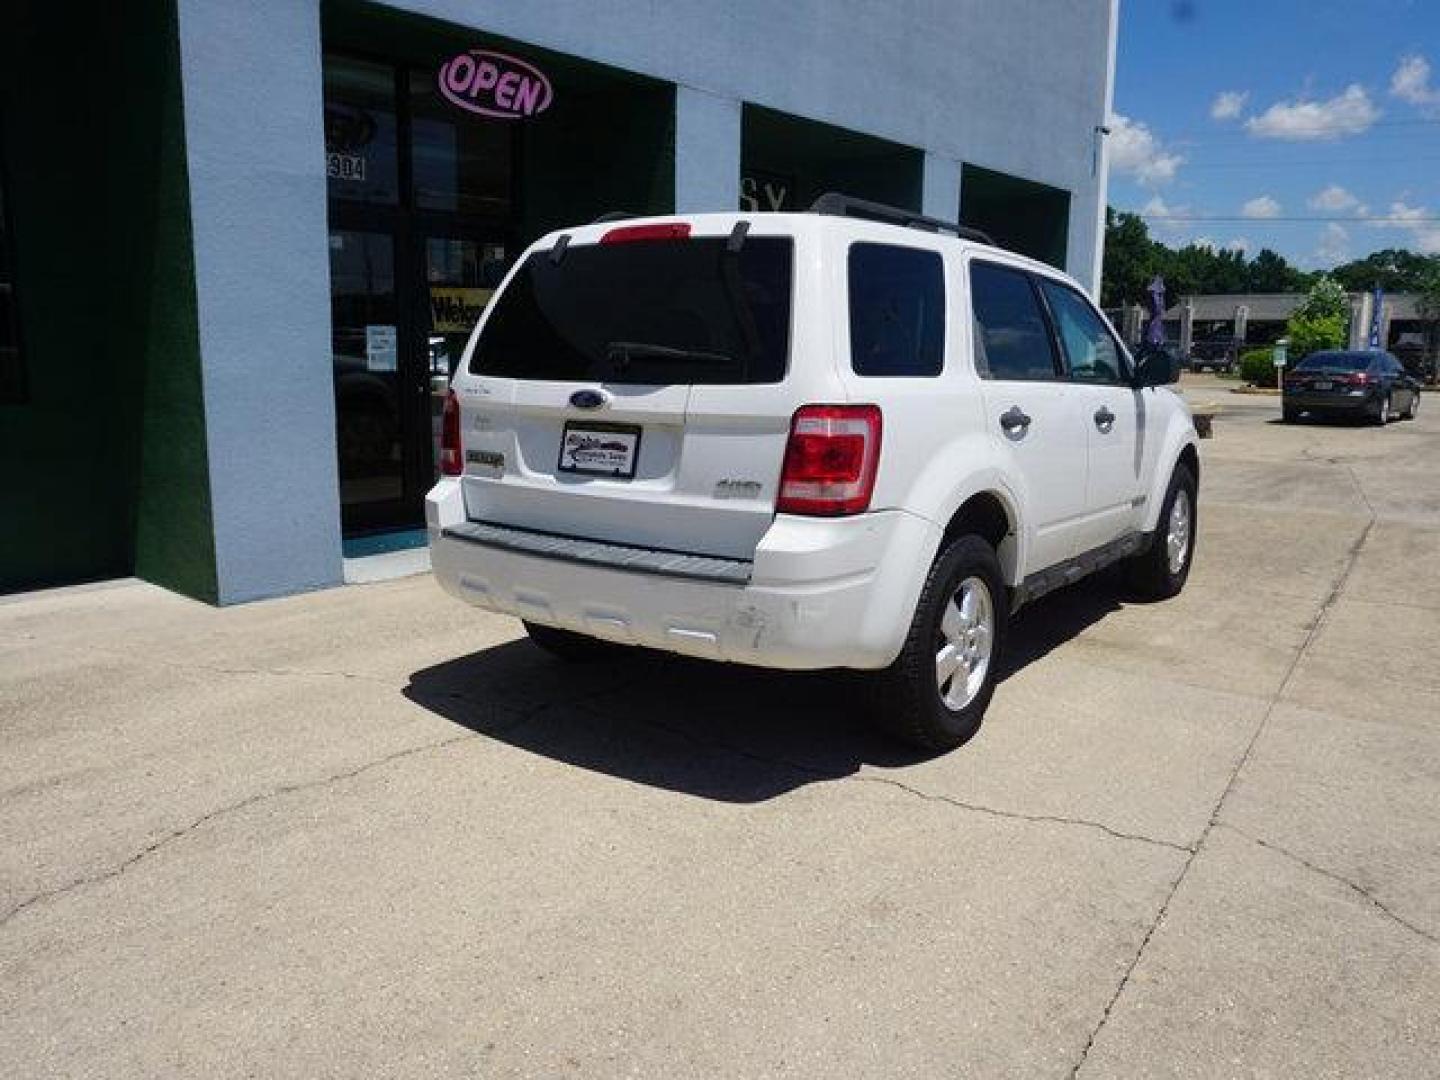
(1359, 890)
(521, 717)
(1320, 617)
(251, 800)
(216, 669)
(861, 777)
(1016, 815)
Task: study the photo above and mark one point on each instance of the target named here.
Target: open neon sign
(493, 84)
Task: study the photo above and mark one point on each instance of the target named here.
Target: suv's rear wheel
(568, 645)
(935, 693)
(1160, 571)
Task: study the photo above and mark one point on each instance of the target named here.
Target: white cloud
(1334, 199)
(1136, 151)
(1240, 244)
(1333, 245)
(1160, 215)
(1228, 104)
(1411, 82)
(1262, 206)
(1348, 113)
(1205, 242)
(1419, 221)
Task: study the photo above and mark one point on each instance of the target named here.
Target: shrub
(1257, 367)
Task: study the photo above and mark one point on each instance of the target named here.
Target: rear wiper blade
(620, 353)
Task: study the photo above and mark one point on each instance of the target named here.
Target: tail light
(665, 230)
(1358, 378)
(452, 458)
(830, 460)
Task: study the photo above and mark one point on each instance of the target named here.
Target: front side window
(1012, 340)
(1090, 349)
(650, 312)
(897, 311)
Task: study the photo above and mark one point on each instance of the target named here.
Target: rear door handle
(1014, 421)
(1104, 419)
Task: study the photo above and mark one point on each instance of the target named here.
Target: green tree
(1269, 272)
(1321, 321)
(1130, 259)
(1314, 333)
(1393, 269)
(1327, 297)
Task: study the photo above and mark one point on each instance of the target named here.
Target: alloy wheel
(966, 641)
(1177, 532)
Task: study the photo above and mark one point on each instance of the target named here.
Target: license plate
(1322, 385)
(593, 449)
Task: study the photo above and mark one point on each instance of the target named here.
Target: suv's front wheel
(1160, 571)
(936, 692)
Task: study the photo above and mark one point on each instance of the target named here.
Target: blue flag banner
(1376, 308)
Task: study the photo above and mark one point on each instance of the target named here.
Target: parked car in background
(1217, 354)
(1367, 383)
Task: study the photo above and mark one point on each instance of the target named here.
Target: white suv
(811, 440)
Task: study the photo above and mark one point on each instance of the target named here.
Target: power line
(1313, 163)
(1426, 220)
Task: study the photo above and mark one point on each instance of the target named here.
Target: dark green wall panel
(102, 468)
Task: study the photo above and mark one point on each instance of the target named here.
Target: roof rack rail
(840, 205)
(614, 215)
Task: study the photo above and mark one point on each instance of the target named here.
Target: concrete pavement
(370, 832)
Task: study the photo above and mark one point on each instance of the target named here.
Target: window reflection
(360, 132)
(462, 162)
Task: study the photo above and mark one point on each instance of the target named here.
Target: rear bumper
(1329, 402)
(820, 593)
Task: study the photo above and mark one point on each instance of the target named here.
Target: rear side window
(1093, 355)
(897, 311)
(645, 312)
(1012, 339)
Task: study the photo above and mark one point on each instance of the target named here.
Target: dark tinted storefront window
(360, 132)
(897, 311)
(645, 313)
(12, 373)
(462, 162)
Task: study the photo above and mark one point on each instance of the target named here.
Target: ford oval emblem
(587, 399)
(493, 84)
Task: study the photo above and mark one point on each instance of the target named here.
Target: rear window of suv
(1336, 361)
(645, 312)
(897, 311)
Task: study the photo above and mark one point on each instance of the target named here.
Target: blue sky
(1259, 111)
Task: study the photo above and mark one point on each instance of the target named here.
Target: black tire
(1412, 408)
(907, 700)
(1382, 410)
(1149, 573)
(568, 645)
(1289, 414)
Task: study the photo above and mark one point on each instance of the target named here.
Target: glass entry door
(420, 234)
(370, 411)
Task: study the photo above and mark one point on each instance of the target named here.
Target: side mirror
(1156, 367)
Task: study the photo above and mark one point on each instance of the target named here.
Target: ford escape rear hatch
(628, 391)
